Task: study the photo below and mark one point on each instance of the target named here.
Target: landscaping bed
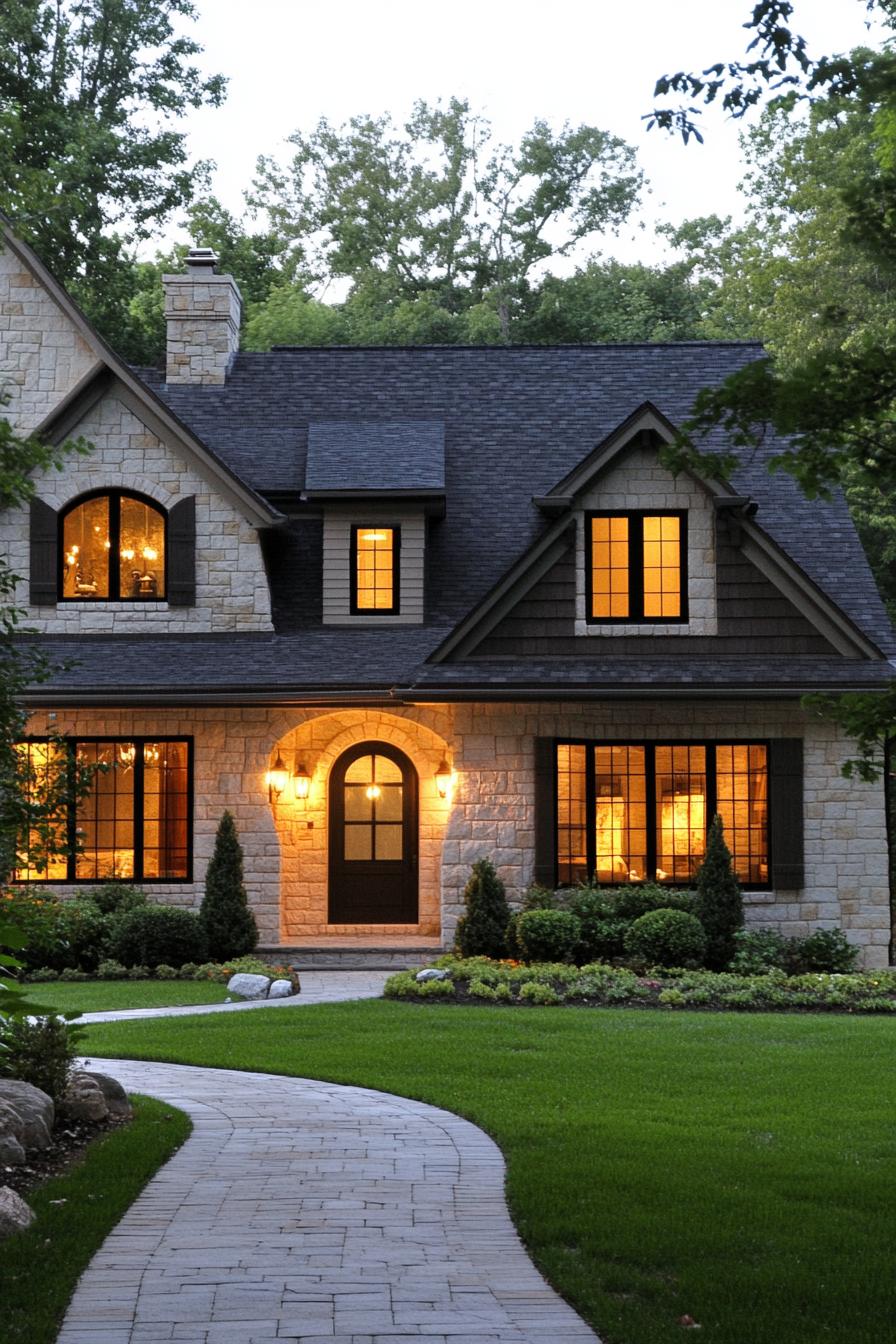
(482, 980)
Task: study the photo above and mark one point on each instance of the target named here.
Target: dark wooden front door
(373, 837)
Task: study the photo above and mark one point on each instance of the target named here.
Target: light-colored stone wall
(638, 481)
(203, 317)
(232, 590)
(338, 522)
(42, 354)
(491, 812)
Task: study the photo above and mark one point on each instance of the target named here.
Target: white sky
(292, 61)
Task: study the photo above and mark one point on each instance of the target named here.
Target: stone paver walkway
(317, 987)
(302, 1211)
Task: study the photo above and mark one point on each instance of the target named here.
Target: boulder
(11, 1122)
(84, 1100)
(431, 974)
(116, 1097)
(281, 989)
(15, 1215)
(33, 1107)
(12, 1154)
(249, 986)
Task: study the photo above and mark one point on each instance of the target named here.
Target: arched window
(112, 548)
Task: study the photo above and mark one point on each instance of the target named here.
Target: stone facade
(639, 481)
(42, 354)
(232, 590)
(203, 312)
(491, 811)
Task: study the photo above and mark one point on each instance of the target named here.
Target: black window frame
(71, 744)
(395, 609)
(636, 567)
(114, 496)
(650, 745)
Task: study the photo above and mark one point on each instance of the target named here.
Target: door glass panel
(358, 807)
(388, 842)
(388, 805)
(360, 771)
(358, 843)
(387, 772)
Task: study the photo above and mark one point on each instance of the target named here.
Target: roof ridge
(513, 349)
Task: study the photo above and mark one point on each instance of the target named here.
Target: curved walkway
(317, 987)
(307, 1211)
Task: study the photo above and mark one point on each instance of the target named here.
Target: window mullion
(650, 793)
(590, 813)
(114, 570)
(71, 829)
(711, 783)
(636, 567)
(138, 809)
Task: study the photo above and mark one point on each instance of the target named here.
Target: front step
(330, 957)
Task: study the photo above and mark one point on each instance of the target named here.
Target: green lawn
(39, 1268)
(96, 996)
(738, 1168)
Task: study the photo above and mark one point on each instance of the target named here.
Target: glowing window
(375, 570)
(113, 549)
(630, 813)
(636, 567)
(374, 809)
(134, 821)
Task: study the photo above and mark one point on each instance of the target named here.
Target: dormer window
(113, 548)
(636, 567)
(375, 570)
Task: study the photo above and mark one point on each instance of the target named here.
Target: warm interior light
(443, 778)
(149, 553)
(277, 778)
(374, 536)
(301, 781)
(127, 553)
(373, 791)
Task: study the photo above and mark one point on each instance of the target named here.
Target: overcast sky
(290, 62)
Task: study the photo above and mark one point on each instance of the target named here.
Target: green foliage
(150, 934)
(89, 160)
(482, 930)
(548, 935)
(229, 924)
(114, 898)
(758, 951)
(60, 934)
(111, 970)
(630, 902)
(718, 901)
(666, 938)
(536, 993)
(828, 950)
(39, 1051)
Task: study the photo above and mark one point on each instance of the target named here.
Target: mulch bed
(71, 1139)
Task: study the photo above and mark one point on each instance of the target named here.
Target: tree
(718, 903)
(89, 160)
(434, 208)
(481, 932)
(228, 922)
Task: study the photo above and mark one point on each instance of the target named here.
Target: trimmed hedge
(666, 938)
(151, 935)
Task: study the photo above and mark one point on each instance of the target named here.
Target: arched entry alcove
(373, 837)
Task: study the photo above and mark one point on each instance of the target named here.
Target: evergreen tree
(481, 932)
(718, 901)
(228, 922)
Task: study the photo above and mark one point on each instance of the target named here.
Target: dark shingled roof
(501, 425)
(361, 455)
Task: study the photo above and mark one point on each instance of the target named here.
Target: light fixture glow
(301, 781)
(373, 536)
(373, 791)
(127, 553)
(444, 775)
(277, 778)
(149, 553)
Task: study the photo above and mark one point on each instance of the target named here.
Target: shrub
(114, 898)
(111, 970)
(539, 898)
(633, 901)
(43, 973)
(536, 992)
(758, 951)
(59, 934)
(828, 950)
(150, 934)
(139, 973)
(40, 1051)
(666, 938)
(548, 935)
(482, 930)
(72, 974)
(164, 972)
(230, 928)
(187, 971)
(718, 902)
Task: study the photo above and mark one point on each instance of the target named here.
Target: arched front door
(373, 837)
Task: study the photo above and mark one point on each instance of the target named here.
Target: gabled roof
(349, 458)
(141, 398)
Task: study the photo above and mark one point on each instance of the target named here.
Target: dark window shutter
(545, 831)
(785, 811)
(44, 554)
(181, 562)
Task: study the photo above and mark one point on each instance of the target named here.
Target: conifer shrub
(481, 932)
(666, 938)
(229, 924)
(718, 902)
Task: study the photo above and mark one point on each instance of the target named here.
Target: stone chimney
(202, 310)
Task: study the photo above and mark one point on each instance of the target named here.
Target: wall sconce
(444, 776)
(301, 781)
(277, 778)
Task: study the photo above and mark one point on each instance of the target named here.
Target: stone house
(400, 608)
